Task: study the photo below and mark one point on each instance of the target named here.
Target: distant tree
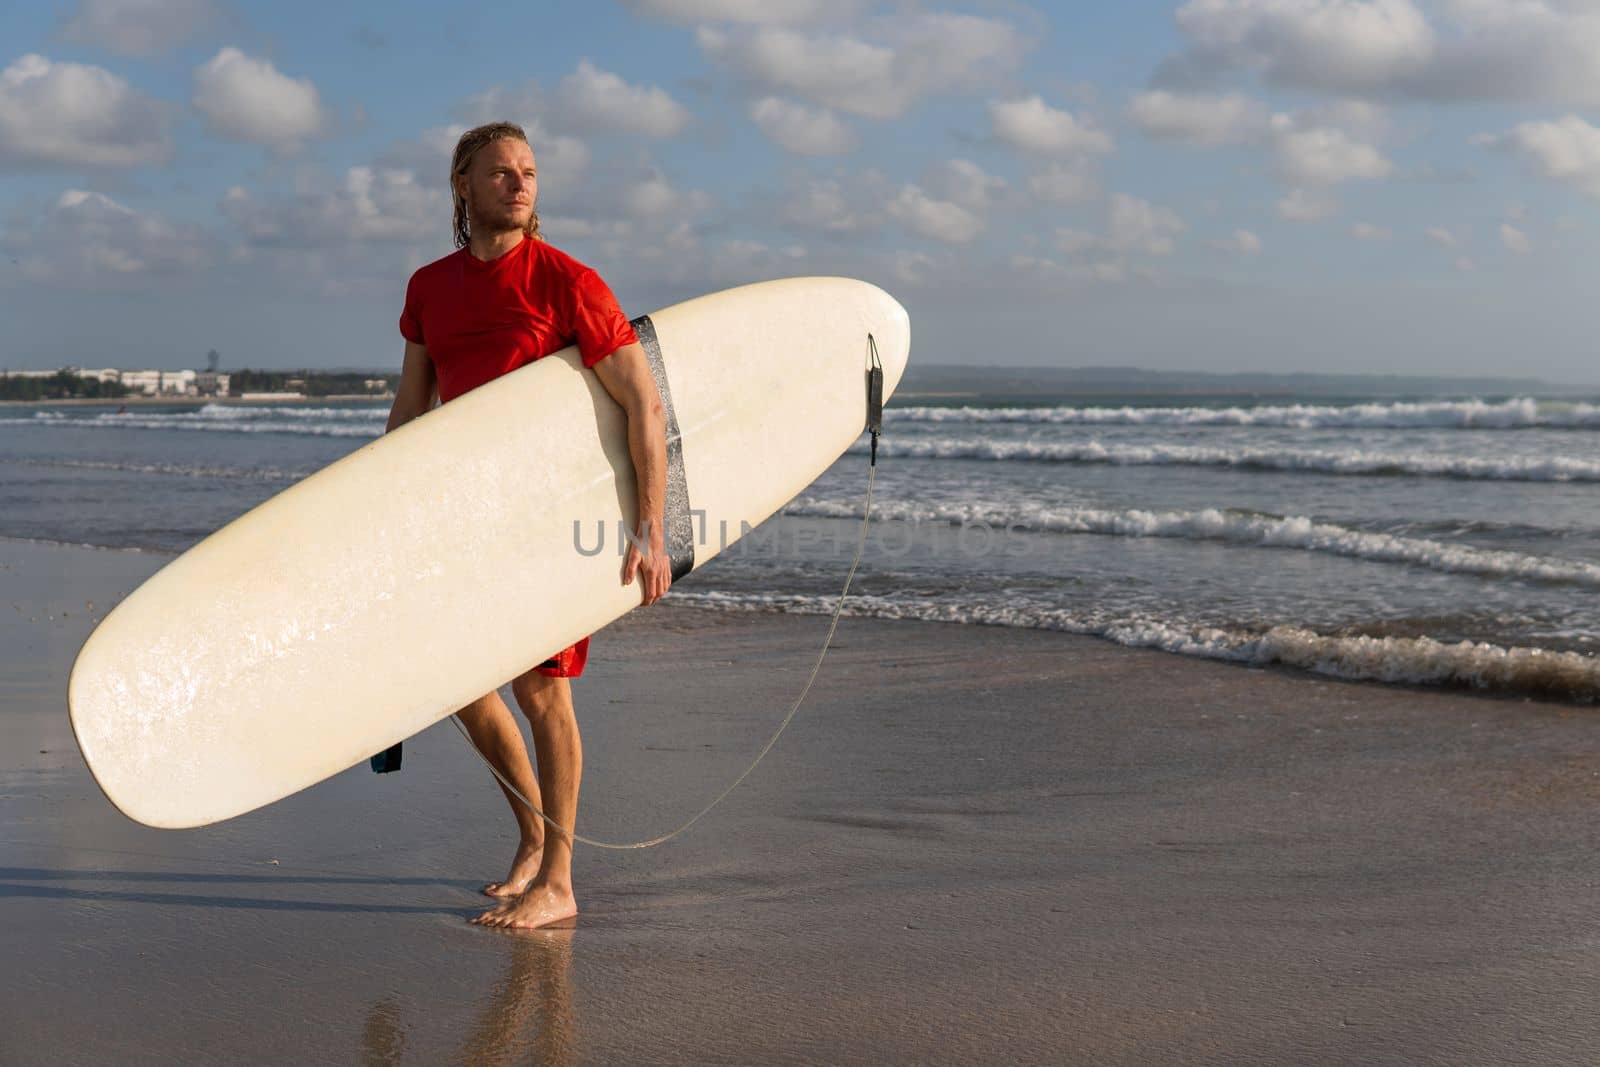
(62, 385)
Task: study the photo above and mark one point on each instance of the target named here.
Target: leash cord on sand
(861, 544)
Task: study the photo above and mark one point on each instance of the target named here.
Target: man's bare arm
(418, 390)
(625, 374)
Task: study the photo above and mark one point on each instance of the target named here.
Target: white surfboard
(433, 565)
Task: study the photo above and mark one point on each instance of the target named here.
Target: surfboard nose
(880, 314)
(893, 336)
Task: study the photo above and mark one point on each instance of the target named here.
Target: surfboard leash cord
(875, 428)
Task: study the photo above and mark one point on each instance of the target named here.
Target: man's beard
(497, 218)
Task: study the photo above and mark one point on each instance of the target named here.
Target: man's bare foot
(541, 905)
(523, 867)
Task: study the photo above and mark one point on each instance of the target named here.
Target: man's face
(500, 186)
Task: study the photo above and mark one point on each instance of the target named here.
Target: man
(502, 300)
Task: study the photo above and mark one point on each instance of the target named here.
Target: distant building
(210, 383)
(161, 382)
(145, 382)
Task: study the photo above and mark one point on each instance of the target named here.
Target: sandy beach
(974, 845)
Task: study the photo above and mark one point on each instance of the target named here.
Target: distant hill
(1132, 381)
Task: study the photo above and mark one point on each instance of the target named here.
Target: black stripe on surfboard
(679, 534)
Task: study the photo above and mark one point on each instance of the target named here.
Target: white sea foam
(234, 412)
(1325, 461)
(1213, 524)
(1406, 660)
(227, 418)
(180, 470)
(193, 421)
(1516, 413)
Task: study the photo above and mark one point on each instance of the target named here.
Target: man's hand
(652, 566)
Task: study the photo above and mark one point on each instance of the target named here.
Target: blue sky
(1401, 186)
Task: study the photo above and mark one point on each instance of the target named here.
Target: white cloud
(1527, 50)
(1442, 237)
(900, 61)
(593, 99)
(1243, 242)
(1334, 45)
(1140, 226)
(823, 204)
(1031, 125)
(428, 153)
(368, 205)
(1514, 239)
(68, 114)
(1360, 119)
(739, 262)
(1075, 242)
(750, 11)
(1465, 264)
(1204, 119)
(1366, 231)
(656, 200)
(1324, 155)
(1507, 50)
(802, 130)
(1064, 184)
(1132, 226)
(1305, 205)
(87, 237)
(138, 27)
(963, 182)
(1565, 150)
(941, 220)
(248, 99)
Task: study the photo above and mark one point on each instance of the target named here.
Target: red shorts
(568, 663)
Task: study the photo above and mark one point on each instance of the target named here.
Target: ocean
(1428, 541)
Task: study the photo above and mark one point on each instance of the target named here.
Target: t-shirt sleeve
(411, 314)
(597, 320)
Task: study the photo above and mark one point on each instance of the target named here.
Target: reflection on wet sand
(527, 1019)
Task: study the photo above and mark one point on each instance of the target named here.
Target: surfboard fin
(387, 760)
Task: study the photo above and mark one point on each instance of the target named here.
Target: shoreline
(1309, 669)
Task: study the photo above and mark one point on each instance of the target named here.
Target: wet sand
(974, 845)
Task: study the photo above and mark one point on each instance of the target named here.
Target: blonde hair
(466, 148)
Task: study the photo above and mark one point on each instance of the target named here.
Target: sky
(1361, 186)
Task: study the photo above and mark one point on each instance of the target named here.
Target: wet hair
(466, 148)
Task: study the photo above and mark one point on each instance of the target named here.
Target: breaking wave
(1516, 413)
(228, 418)
(1400, 660)
(179, 470)
(1324, 461)
(1213, 524)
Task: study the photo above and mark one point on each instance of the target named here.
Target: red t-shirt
(481, 320)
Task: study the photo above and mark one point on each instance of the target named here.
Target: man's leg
(494, 731)
(547, 702)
